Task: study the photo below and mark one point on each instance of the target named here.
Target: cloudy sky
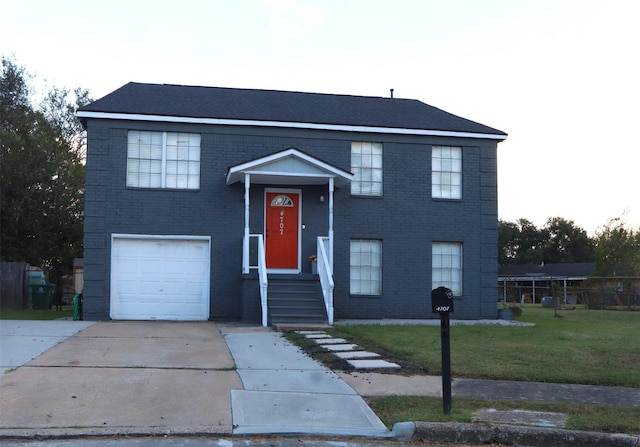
(561, 77)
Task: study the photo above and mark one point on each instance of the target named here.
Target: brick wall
(406, 219)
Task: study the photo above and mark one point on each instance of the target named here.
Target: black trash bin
(40, 296)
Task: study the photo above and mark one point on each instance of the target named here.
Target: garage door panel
(160, 278)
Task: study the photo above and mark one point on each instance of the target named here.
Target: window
(365, 266)
(446, 266)
(163, 160)
(366, 166)
(446, 172)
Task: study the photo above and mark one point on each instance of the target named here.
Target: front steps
(295, 300)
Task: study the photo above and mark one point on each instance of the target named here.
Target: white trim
(253, 167)
(289, 174)
(159, 236)
(264, 227)
(249, 167)
(295, 125)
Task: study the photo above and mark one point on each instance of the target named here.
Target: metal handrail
(261, 266)
(326, 276)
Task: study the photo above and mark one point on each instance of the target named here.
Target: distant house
(536, 281)
(220, 203)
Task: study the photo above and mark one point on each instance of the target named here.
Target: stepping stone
(317, 336)
(522, 417)
(372, 364)
(331, 341)
(310, 332)
(344, 347)
(356, 355)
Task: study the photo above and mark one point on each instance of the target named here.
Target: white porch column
(331, 183)
(533, 298)
(245, 240)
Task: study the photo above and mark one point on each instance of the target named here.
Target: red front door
(281, 229)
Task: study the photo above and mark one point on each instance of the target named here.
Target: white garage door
(159, 278)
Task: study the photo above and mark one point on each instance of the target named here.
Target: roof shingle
(282, 106)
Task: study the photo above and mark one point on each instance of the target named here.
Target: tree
(508, 242)
(520, 242)
(566, 242)
(617, 250)
(559, 241)
(60, 110)
(41, 174)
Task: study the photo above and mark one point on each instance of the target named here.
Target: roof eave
(87, 114)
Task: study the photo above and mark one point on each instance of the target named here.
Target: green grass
(27, 314)
(570, 346)
(577, 346)
(599, 418)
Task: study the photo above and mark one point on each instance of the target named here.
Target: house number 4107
(281, 222)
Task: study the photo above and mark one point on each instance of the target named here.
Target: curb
(435, 432)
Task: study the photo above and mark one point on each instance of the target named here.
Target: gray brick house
(273, 206)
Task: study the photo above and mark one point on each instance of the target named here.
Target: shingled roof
(264, 106)
(536, 271)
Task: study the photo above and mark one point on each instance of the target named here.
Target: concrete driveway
(123, 377)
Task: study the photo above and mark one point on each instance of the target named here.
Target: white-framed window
(163, 160)
(366, 166)
(365, 267)
(446, 266)
(446, 172)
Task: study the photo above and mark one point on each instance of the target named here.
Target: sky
(561, 77)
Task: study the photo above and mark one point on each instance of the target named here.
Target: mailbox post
(442, 303)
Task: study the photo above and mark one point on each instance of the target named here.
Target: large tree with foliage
(566, 242)
(559, 241)
(617, 250)
(41, 173)
(520, 242)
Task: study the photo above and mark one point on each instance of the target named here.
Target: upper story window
(446, 172)
(446, 266)
(163, 160)
(366, 166)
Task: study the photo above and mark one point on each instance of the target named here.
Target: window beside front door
(446, 172)
(366, 166)
(365, 267)
(163, 160)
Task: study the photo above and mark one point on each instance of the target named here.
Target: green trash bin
(40, 296)
(77, 306)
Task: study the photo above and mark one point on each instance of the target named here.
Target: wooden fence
(13, 285)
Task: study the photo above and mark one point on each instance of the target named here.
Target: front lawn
(581, 346)
(575, 346)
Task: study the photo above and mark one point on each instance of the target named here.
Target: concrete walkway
(285, 391)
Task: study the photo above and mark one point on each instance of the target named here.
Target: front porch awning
(288, 167)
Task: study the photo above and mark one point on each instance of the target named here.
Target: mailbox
(441, 300)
